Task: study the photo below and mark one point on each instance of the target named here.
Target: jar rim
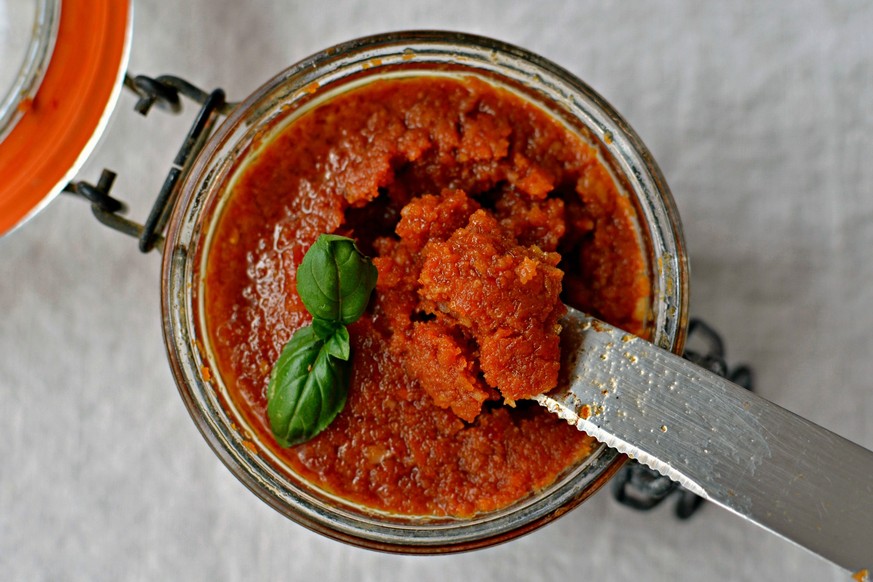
(188, 233)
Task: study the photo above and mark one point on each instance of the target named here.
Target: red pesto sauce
(428, 174)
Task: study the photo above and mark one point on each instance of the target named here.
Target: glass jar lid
(27, 39)
(64, 71)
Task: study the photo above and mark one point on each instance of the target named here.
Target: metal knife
(718, 440)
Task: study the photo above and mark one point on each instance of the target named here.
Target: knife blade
(717, 440)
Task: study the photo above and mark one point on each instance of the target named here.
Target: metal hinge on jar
(163, 91)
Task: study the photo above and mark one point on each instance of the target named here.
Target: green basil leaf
(335, 280)
(307, 389)
(338, 345)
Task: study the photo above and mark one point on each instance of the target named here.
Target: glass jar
(262, 116)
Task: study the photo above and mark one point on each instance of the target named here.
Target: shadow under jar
(208, 213)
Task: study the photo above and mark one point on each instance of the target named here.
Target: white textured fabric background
(761, 118)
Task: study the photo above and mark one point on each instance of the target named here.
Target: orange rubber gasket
(62, 123)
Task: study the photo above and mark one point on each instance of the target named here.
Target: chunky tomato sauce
(482, 215)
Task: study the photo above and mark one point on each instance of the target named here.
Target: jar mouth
(278, 103)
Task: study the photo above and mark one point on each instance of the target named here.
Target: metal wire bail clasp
(163, 91)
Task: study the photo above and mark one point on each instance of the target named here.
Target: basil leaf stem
(309, 382)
